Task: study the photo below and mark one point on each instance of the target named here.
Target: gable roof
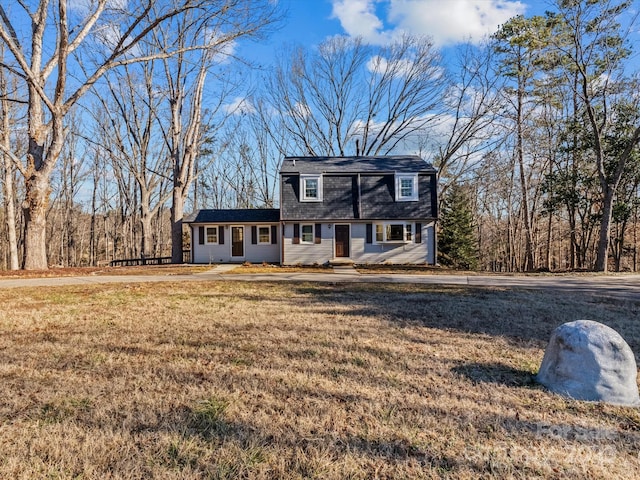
(235, 215)
(374, 164)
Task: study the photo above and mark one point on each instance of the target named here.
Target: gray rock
(586, 360)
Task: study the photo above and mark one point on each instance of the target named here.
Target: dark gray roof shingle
(397, 163)
(237, 215)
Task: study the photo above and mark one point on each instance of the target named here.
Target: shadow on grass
(496, 373)
(517, 314)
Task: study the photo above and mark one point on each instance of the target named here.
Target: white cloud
(222, 46)
(381, 65)
(238, 106)
(85, 6)
(399, 68)
(358, 18)
(302, 110)
(108, 34)
(446, 21)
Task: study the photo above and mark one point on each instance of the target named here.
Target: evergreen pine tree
(457, 243)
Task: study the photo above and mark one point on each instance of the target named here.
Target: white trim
(303, 190)
(408, 232)
(206, 235)
(258, 241)
(313, 234)
(413, 178)
(244, 246)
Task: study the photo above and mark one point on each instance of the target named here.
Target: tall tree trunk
(177, 214)
(573, 240)
(93, 237)
(145, 225)
(9, 194)
(35, 218)
(9, 205)
(528, 258)
(602, 258)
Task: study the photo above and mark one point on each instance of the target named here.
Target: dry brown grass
(83, 271)
(410, 269)
(244, 380)
(273, 268)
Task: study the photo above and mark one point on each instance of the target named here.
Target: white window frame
(206, 235)
(303, 189)
(413, 178)
(382, 230)
(302, 240)
(268, 241)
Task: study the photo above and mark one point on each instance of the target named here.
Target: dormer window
(407, 187)
(311, 188)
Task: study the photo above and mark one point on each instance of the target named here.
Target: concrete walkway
(623, 287)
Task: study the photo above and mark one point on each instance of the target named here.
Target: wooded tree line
(119, 117)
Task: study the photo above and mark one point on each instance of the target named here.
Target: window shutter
(254, 234)
(318, 232)
(201, 235)
(221, 235)
(418, 235)
(369, 233)
(296, 233)
(274, 234)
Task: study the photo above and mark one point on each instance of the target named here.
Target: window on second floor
(407, 187)
(311, 188)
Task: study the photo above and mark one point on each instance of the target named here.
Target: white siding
(222, 253)
(363, 252)
(360, 251)
(308, 253)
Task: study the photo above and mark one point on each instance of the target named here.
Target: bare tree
(65, 212)
(129, 131)
(353, 98)
(98, 36)
(7, 113)
(249, 164)
(469, 126)
(186, 89)
(594, 45)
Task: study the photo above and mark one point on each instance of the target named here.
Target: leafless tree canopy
(89, 40)
(117, 118)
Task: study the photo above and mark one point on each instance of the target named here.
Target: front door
(237, 241)
(342, 240)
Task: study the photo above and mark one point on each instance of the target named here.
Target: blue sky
(447, 21)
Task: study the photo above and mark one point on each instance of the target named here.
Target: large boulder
(587, 360)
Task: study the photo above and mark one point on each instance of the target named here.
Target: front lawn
(299, 380)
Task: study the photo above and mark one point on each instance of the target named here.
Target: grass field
(245, 380)
(167, 270)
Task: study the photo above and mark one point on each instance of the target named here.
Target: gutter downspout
(435, 242)
(192, 253)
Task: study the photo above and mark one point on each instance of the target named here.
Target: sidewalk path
(625, 287)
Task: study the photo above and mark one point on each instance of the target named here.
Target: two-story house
(347, 209)
(362, 209)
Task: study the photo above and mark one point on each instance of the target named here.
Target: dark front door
(342, 240)
(237, 241)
